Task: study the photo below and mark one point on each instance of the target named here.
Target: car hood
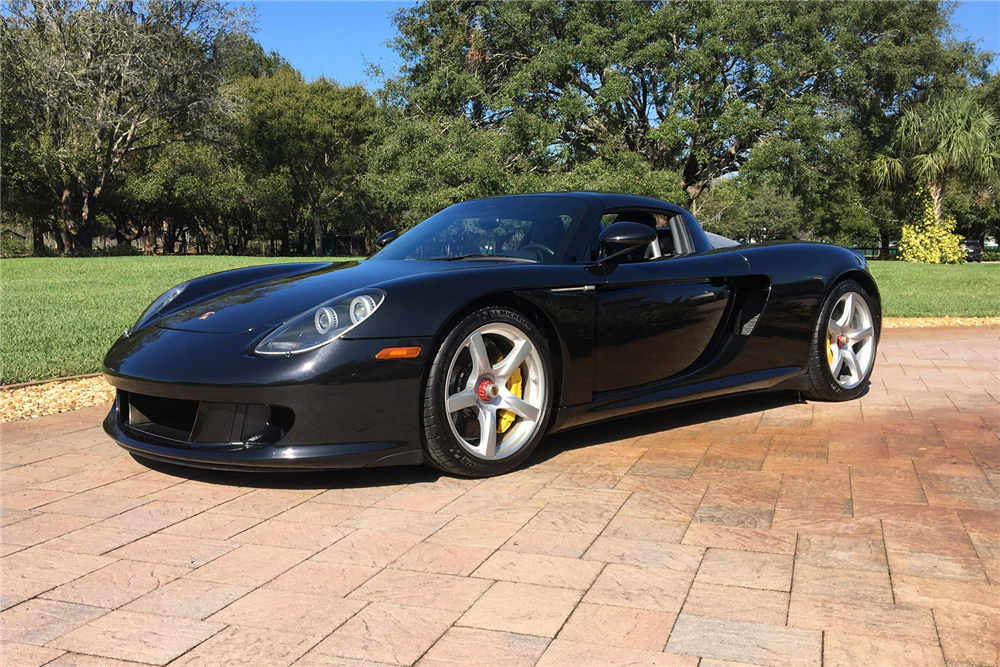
(268, 304)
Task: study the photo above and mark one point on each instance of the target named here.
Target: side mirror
(387, 238)
(627, 235)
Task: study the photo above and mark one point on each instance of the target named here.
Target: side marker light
(399, 353)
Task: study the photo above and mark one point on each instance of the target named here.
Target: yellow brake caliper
(829, 348)
(514, 385)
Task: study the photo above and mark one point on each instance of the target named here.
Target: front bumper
(339, 406)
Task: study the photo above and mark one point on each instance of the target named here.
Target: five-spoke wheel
(488, 394)
(844, 343)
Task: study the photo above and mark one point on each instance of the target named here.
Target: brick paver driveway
(754, 530)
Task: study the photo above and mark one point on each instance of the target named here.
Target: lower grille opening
(204, 424)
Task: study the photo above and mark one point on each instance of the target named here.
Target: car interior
(666, 229)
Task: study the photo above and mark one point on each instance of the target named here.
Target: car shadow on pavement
(622, 428)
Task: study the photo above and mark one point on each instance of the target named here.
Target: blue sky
(334, 39)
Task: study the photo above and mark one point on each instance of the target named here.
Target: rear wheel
(844, 344)
(489, 394)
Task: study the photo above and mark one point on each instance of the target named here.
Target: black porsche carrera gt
(466, 339)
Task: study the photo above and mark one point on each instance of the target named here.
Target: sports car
(466, 339)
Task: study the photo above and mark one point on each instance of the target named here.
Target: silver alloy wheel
(479, 391)
(850, 340)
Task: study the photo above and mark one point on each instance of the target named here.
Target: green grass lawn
(938, 290)
(59, 316)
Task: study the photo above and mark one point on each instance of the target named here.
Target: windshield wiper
(482, 256)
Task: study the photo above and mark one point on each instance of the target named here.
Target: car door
(655, 317)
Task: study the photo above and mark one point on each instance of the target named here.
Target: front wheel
(489, 394)
(844, 344)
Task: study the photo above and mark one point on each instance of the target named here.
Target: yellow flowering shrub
(925, 241)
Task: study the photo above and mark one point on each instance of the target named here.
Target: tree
(953, 138)
(107, 79)
(313, 132)
(694, 88)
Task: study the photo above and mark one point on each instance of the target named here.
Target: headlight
(323, 324)
(159, 304)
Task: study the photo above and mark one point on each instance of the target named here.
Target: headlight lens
(321, 325)
(159, 304)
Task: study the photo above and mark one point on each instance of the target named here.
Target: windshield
(529, 229)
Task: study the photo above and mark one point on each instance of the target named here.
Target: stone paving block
(852, 553)
(736, 603)
(549, 542)
(755, 643)
(94, 539)
(26, 655)
(323, 578)
(618, 626)
(939, 593)
(96, 504)
(745, 539)
(647, 553)
(42, 528)
(289, 612)
(937, 566)
(471, 646)
(420, 589)
(416, 501)
(905, 622)
(849, 650)
(746, 568)
(50, 566)
(563, 653)
(188, 598)
(200, 493)
(442, 559)
(388, 633)
(178, 550)
(148, 638)
(640, 587)
(249, 565)
(398, 521)
(42, 621)
(970, 634)
(154, 515)
(117, 584)
(522, 608)
(212, 525)
(317, 513)
(248, 647)
(640, 528)
(540, 569)
(368, 548)
(585, 519)
(843, 583)
(291, 535)
(264, 503)
(467, 531)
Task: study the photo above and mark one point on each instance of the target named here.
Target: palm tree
(952, 138)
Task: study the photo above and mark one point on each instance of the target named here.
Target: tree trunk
(284, 238)
(317, 230)
(885, 240)
(38, 238)
(148, 236)
(937, 193)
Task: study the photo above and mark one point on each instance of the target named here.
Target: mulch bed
(37, 400)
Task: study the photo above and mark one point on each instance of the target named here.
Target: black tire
(823, 385)
(442, 445)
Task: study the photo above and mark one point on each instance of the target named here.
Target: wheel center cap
(842, 340)
(487, 390)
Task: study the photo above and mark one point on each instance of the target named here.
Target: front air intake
(201, 424)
